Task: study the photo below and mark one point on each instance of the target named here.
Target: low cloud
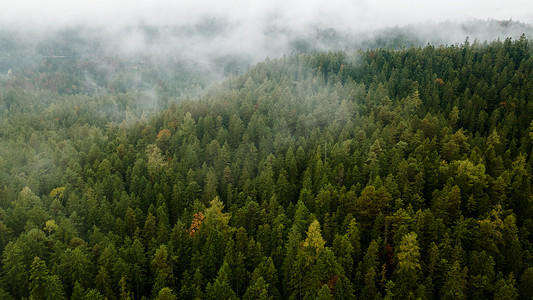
(297, 14)
(227, 36)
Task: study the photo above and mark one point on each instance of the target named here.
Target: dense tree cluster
(394, 174)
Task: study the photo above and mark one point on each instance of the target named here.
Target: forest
(370, 174)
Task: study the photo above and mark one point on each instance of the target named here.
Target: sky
(354, 14)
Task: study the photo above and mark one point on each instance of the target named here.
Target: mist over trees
(280, 151)
(394, 172)
(217, 46)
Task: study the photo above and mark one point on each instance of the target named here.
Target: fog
(197, 29)
(228, 36)
(297, 14)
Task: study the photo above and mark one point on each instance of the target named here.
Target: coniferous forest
(379, 174)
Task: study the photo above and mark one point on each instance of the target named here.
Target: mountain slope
(401, 173)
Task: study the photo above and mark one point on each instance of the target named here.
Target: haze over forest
(279, 150)
(228, 37)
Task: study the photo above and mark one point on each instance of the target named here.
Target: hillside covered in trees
(394, 174)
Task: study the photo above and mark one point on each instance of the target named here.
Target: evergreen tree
(455, 285)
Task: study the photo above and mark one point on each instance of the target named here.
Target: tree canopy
(333, 175)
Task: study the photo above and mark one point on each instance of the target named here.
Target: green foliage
(257, 290)
(382, 173)
(166, 294)
(505, 288)
(455, 284)
(221, 288)
(42, 284)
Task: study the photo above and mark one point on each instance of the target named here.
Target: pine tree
(408, 267)
(103, 283)
(258, 289)
(16, 276)
(125, 294)
(38, 279)
(161, 269)
(455, 285)
(221, 288)
(506, 288)
(314, 240)
(324, 293)
(166, 294)
(78, 292)
(526, 284)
